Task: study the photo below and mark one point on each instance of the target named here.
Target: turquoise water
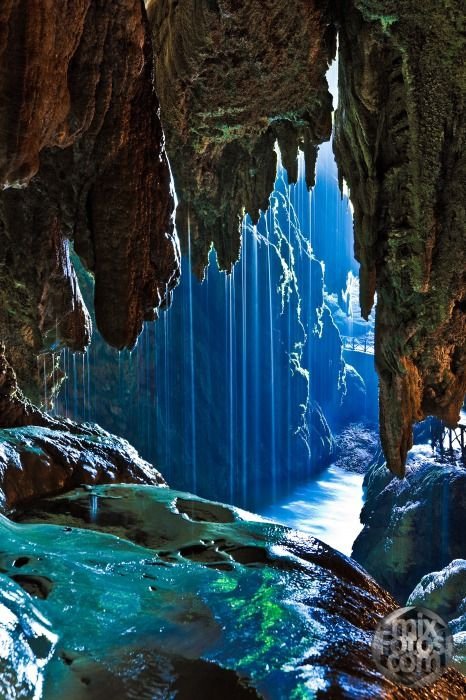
(204, 581)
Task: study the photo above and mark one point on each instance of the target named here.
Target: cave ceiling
(234, 78)
(83, 162)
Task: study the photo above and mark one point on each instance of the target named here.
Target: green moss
(385, 20)
(295, 118)
(300, 693)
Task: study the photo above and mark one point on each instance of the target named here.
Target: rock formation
(233, 78)
(415, 525)
(82, 159)
(399, 141)
(37, 462)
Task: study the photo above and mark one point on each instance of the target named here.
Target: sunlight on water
(327, 507)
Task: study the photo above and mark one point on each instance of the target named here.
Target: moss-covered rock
(233, 78)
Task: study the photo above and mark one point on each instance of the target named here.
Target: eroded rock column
(400, 133)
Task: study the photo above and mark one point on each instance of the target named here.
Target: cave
(232, 349)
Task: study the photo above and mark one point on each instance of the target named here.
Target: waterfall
(234, 391)
(272, 366)
(245, 375)
(241, 356)
(192, 366)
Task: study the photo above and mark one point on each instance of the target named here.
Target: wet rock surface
(27, 643)
(218, 597)
(415, 525)
(41, 461)
(445, 592)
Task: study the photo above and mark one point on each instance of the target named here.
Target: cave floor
(134, 588)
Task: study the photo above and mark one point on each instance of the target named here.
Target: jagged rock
(203, 583)
(445, 593)
(40, 461)
(27, 643)
(358, 447)
(399, 141)
(354, 396)
(80, 127)
(415, 525)
(232, 79)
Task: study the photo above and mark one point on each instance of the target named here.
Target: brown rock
(77, 98)
(36, 462)
(41, 456)
(37, 45)
(400, 133)
(233, 78)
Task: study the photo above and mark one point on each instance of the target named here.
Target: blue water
(326, 507)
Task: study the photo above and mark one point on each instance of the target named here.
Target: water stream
(326, 507)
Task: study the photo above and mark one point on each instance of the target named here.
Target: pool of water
(327, 507)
